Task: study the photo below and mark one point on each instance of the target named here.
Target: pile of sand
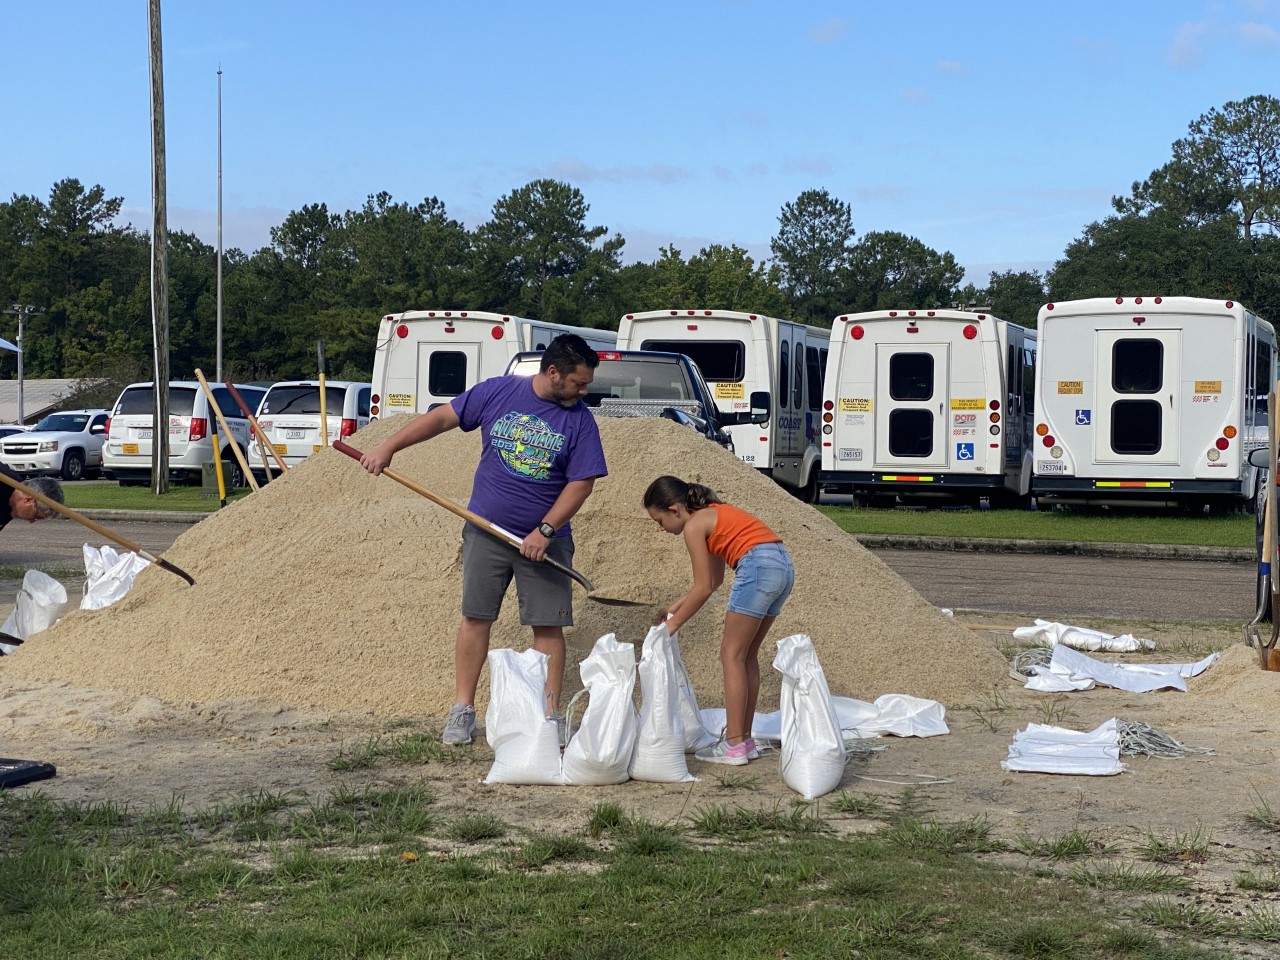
(336, 589)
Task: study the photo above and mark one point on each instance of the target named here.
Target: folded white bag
(526, 745)
(813, 754)
(600, 750)
(659, 754)
(108, 575)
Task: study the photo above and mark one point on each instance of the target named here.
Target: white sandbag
(526, 744)
(696, 734)
(813, 754)
(108, 575)
(659, 753)
(599, 752)
(41, 601)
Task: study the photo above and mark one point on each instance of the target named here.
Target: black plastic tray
(14, 773)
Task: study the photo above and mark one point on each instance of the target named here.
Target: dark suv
(648, 383)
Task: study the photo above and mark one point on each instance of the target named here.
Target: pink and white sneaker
(734, 754)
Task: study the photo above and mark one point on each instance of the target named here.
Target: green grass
(111, 496)
(1111, 527)
(105, 882)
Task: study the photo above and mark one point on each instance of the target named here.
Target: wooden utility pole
(159, 261)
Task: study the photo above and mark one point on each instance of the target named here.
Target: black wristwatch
(547, 530)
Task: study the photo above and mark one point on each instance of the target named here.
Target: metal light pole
(219, 325)
(23, 311)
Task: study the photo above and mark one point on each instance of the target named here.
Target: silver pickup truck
(647, 383)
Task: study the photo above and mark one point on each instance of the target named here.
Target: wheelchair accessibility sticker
(964, 451)
(1082, 418)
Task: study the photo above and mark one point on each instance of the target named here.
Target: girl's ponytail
(667, 491)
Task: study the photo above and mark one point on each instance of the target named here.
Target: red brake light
(199, 428)
(857, 332)
(253, 431)
(496, 332)
(828, 405)
(402, 331)
(994, 404)
(1048, 441)
(348, 428)
(608, 355)
(1222, 443)
(108, 433)
(970, 331)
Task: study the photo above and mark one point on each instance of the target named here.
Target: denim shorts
(762, 581)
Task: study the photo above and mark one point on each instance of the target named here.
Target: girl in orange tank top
(715, 534)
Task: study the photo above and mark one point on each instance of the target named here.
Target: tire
(73, 465)
(811, 492)
(235, 479)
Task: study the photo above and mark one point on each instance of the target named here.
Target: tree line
(1203, 224)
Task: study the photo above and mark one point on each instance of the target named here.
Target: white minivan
(289, 416)
(127, 454)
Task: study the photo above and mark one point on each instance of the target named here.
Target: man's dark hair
(567, 352)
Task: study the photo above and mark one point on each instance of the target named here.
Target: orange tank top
(736, 532)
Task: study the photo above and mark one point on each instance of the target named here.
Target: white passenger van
(929, 404)
(424, 358)
(744, 353)
(127, 452)
(1151, 400)
(289, 416)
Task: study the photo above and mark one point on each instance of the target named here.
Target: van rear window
(717, 359)
(138, 401)
(447, 373)
(302, 399)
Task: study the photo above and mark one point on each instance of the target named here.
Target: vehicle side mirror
(98, 428)
(1261, 458)
(761, 404)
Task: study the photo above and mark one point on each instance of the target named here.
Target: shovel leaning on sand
(506, 536)
(98, 528)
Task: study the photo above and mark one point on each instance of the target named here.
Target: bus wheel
(811, 492)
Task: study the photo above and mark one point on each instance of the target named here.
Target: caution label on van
(970, 404)
(855, 404)
(1208, 386)
(399, 399)
(1071, 387)
(731, 391)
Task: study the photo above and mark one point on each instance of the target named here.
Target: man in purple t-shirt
(540, 458)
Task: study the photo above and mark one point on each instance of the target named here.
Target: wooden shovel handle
(96, 527)
(262, 443)
(473, 518)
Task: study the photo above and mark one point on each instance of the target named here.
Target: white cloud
(830, 31)
(721, 172)
(578, 171)
(1186, 51)
(808, 165)
(880, 194)
(1259, 38)
(915, 94)
(952, 67)
(755, 118)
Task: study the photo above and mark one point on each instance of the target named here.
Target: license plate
(295, 434)
(280, 448)
(144, 434)
(130, 449)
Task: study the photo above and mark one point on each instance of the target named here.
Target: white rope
(1137, 737)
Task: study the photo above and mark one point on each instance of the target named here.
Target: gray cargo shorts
(488, 565)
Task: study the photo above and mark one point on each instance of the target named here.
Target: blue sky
(995, 130)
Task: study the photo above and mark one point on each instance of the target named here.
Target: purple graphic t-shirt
(532, 449)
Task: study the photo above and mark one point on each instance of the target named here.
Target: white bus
(929, 404)
(744, 353)
(1151, 400)
(425, 358)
